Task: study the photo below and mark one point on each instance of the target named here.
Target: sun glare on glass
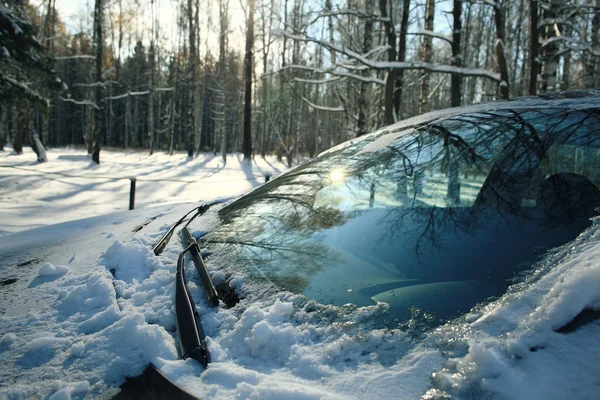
(336, 175)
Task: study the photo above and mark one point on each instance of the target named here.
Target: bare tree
(364, 86)
(94, 140)
(248, 66)
(456, 90)
(499, 20)
(426, 56)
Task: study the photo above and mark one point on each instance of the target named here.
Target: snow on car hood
(69, 329)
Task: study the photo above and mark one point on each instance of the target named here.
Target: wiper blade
(209, 287)
(191, 336)
(162, 242)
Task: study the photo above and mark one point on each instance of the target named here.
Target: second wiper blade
(209, 287)
(162, 242)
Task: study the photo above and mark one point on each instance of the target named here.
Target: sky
(73, 12)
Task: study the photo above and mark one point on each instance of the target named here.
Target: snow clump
(52, 270)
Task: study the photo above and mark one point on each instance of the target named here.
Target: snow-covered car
(450, 255)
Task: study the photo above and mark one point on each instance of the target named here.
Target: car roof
(571, 100)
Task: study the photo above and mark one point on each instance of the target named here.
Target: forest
(284, 77)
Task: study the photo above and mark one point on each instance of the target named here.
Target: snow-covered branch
(338, 73)
(436, 35)
(572, 44)
(82, 56)
(561, 21)
(317, 81)
(80, 102)
(25, 90)
(322, 108)
(354, 12)
(387, 65)
(127, 94)
(375, 52)
(492, 3)
(95, 84)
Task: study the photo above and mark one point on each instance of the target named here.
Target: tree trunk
(390, 82)
(364, 87)
(151, 101)
(223, 11)
(426, 56)
(500, 50)
(266, 46)
(192, 70)
(515, 66)
(38, 147)
(534, 47)
(2, 127)
(248, 64)
(456, 80)
(99, 58)
(127, 121)
(21, 122)
(401, 57)
(550, 56)
(590, 79)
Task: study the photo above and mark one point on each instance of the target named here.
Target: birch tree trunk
(551, 48)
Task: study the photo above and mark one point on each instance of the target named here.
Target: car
(449, 255)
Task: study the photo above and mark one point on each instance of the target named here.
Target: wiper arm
(209, 287)
(162, 242)
(189, 328)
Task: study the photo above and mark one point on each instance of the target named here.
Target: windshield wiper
(194, 248)
(162, 242)
(191, 336)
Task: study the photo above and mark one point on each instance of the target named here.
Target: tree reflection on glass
(441, 217)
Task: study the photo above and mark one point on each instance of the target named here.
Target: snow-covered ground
(68, 329)
(34, 195)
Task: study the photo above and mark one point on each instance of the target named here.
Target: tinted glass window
(437, 217)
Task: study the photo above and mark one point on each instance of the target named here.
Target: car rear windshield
(432, 219)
